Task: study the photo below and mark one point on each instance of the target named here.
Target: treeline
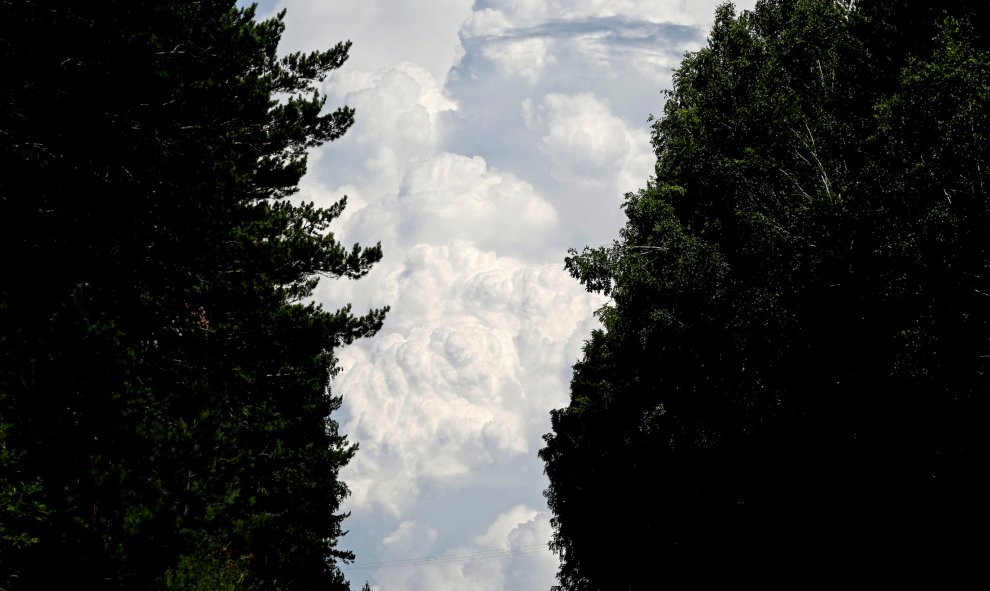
(791, 376)
(165, 413)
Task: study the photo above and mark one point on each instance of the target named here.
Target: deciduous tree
(791, 368)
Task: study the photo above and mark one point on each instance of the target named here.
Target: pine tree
(166, 413)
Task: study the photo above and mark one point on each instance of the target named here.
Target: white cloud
(476, 179)
(511, 554)
(590, 86)
(580, 135)
(442, 198)
(398, 113)
(497, 535)
(518, 12)
(678, 11)
(384, 32)
(409, 541)
(475, 354)
(525, 12)
(402, 189)
(527, 58)
(586, 143)
(451, 197)
(485, 22)
(528, 12)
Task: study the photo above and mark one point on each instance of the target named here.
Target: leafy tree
(164, 387)
(791, 366)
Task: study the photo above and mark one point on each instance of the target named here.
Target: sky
(490, 137)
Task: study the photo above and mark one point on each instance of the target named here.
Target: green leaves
(790, 360)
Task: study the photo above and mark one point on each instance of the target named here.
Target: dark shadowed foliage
(165, 410)
(791, 370)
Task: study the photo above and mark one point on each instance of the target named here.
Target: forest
(791, 376)
(789, 379)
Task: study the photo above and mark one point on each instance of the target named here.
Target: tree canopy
(791, 366)
(165, 412)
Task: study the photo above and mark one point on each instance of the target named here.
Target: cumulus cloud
(383, 32)
(530, 11)
(475, 356)
(584, 141)
(452, 197)
(442, 198)
(486, 21)
(409, 541)
(525, 58)
(587, 143)
(510, 554)
(399, 111)
(609, 38)
(576, 83)
(491, 135)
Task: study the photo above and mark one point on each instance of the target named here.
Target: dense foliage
(792, 367)
(164, 389)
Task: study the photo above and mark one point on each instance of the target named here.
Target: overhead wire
(449, 558)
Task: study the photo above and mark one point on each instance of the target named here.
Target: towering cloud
(490, 137)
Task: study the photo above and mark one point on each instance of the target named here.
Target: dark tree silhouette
(166, 413)
(791, 369)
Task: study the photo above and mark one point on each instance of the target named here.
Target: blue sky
(491, 136)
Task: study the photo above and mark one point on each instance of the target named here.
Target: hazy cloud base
(490, 137)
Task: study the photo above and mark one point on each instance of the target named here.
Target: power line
(449, 558)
